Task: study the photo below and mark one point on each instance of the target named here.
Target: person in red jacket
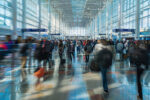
(3, 46)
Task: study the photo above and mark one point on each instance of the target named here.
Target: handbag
(94, 66)
(39, 73)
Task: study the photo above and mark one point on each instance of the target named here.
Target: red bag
(40, 73)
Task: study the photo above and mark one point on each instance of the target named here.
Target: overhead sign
(102, 34)
(34, 30)
(144, 33)
(124, 30)
(56, 34)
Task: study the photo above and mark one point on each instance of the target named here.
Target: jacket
(104, 58)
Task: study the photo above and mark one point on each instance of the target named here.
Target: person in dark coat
(38, 53)
(88, 49)
(61, 49)
(103, 57)
(70, 50)
(24, 53)
(139, 57)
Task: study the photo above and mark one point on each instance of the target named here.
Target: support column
(14, 36)
(111, 19)
(107, 36)
(94, 27)
(14, 19)
(100, 23)
(137, 23)
(59, 22)
(49, 19)
(23, 16)
(120, 18)
(55, 23)
(39, 2)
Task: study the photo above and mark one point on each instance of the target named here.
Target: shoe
(106, 91)
(138, 98)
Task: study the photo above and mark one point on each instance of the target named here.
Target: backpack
(88, 48)
(47, 47)
(139, 57)
(94, 66)
(104, 58)
(24, 49)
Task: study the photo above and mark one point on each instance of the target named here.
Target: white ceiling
(77, 12)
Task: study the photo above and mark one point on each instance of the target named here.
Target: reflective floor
(71, 81)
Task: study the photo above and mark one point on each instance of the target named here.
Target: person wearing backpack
(103, 57)
(139, 56)
(45, 51)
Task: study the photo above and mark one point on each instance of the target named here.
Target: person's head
(8, 37)
(98, 41)
(88, 41)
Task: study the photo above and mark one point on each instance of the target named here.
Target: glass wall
(128, 17)
(32, 14)
(27, 14)
(6, 13)
(19, 13)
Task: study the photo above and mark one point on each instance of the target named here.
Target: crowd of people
(104, 52)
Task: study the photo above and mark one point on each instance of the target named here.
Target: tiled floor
(73, 81)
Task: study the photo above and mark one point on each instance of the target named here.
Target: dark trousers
(78, 49)
(104, 78)
(71, 55)
(86, 58)
(50, 56)
(139, 85)
(60, 55)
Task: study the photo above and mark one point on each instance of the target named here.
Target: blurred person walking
(138, 57)
(24, 53)
(71, 50)
(103, 58)
(88, 49)
(61, 49)
(78, 47)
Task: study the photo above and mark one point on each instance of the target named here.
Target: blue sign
(102, 34)
(56, 34)
(124, 30)
(45, 35)
(34, 30)
(145, 33)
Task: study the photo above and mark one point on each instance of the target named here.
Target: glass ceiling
(78, 7)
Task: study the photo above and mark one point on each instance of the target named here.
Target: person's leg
(79, 50)
(73, 55)
(139, 85)
(87, 58)
(50, 55)
(44, 62)
(23, 59)
(30, 51)
(70, 57)
(104, 78)
(60, 55)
